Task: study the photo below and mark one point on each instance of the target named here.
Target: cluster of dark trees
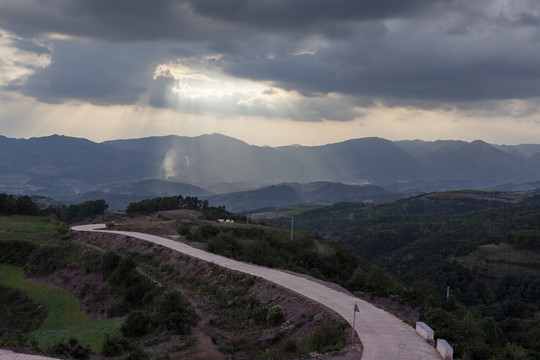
(78, 212)
(24, 205)
(17, 205)
(167, 203)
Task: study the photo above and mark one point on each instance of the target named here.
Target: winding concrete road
(384, 336)
(10, 355)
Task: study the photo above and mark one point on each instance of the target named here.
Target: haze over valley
(231, 172)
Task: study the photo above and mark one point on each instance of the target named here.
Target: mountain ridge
(61, 166)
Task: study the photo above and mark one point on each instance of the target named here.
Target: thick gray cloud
(311, 15)
(196, 19)
(96, 73)
(118, 20)
(447, 58)
(422, 52)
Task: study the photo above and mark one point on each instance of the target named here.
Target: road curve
(10, 355)
(384, 336)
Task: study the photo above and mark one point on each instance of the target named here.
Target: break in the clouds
(305, 60)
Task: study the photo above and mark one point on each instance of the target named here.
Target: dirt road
(384, 336)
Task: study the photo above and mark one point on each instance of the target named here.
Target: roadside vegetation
(237, 315)
(31, 247)
(23, 205)
(149, 206)
(84, 296)
(482, 246)
(273, 247)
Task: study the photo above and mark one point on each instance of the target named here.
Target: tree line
(17, 205)
(167, 203)
(24, 205)
(79, 212)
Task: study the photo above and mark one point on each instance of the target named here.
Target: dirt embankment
(216, 325)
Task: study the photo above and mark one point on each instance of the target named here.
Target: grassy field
(26, 228)
(65, 319)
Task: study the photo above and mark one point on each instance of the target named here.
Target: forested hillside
(482, 246)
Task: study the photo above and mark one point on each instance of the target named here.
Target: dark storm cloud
(118, 20)
(97, 74)
(484, 60)
(392, 51)
(279, 15)
(194, 19)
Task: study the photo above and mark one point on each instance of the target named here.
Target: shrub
(138, 294)
(204, 232)
(114, 346)
(225, 244)
(290, 345)
(15, 252)
(61, 228)
(124, 274)
(118, 309)
(286, 328)
(275, 315)
(45, 259)
(175, 313)
(330, 336)
(184, 229)
(20, 316)
(372, 279)
(137, 324)
(259, 314)
(71, 348)
(109, 263)
(137, 354)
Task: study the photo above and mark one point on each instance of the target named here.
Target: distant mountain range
(295, 193)
(72, 168)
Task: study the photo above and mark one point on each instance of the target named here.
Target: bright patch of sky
(273, 73)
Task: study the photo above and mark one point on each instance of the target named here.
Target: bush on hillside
(275, 315)
(71, 348)
(137, 324)
(174, 313)
(328, 337)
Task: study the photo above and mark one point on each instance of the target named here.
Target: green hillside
(483, 246)
(83, 295)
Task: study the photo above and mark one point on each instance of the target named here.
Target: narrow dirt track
(384, 336)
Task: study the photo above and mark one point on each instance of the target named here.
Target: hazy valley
(209, 166)
(370, 215)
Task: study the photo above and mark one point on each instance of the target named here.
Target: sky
(272, 72)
